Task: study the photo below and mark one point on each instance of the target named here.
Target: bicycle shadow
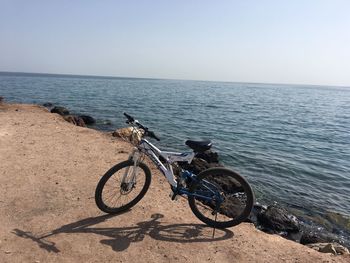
(120, 238)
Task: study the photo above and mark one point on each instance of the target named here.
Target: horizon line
(70, 75)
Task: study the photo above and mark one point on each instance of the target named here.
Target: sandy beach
(49, 169)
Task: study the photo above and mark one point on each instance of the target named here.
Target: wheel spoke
(231, 198)
(113, 195)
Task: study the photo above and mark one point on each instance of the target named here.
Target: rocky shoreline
(272, 219)
(275, 219)
(49, 170)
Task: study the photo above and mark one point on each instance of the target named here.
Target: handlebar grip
(151, 134)
(130, 118)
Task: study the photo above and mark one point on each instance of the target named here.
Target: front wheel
(221, 198)
(122, 187)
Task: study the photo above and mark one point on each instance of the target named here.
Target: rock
(48, 105)
(198, 165)
(2, 99)
(253, 217)
(60, 110)
(314, 237)
(277, 219)
(338, 221)
(329, 248)
(341, 249)
(131, 134)
(79, 121)
(212, 165)
(209, 156)
(294, 236)
(76, 120)
(88, 119)
(176, 169)
(323, 247)
(333, 248)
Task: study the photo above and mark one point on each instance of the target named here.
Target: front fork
(130, 178)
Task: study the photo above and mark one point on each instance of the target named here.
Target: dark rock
(76, 120)
(79, 121)
(209, 156)
(277, 219)
(294, 236)
(212, 165)
(311, 237)
(228, 184)
(198, 165)
(315, 234)
(88, 119)
(176, 169)
(338, 221)
(2, 99)
(60, 110)
(257, 210)
(48, 105)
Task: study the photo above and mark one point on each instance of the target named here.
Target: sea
(291, 142)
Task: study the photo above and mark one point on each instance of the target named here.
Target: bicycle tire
(101, 203)
(228, 175)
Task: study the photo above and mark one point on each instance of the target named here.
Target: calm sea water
(291, 142)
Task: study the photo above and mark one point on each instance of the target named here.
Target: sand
(49, 169)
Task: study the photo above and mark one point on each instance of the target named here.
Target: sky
(265, 41)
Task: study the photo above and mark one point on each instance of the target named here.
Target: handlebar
(131, 120)
(152, 135)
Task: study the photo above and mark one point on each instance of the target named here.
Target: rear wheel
(221, 198)
(119, 190)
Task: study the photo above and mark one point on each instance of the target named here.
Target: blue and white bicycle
(218, 196)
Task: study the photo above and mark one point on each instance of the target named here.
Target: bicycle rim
(122, 187)
(231, 198)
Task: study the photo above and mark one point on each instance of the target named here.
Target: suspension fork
(135, 156)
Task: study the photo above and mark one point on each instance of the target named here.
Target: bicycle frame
(156, 156)
(228, 194)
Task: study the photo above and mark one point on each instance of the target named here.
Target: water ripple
(291, 142)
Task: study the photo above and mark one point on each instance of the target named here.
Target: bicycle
(219, 197)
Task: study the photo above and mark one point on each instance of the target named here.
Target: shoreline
(281, 220)
(61, 164)
(267, 150)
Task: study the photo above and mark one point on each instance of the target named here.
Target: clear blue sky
(281, 41)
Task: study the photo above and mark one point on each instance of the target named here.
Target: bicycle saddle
(199, 146)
